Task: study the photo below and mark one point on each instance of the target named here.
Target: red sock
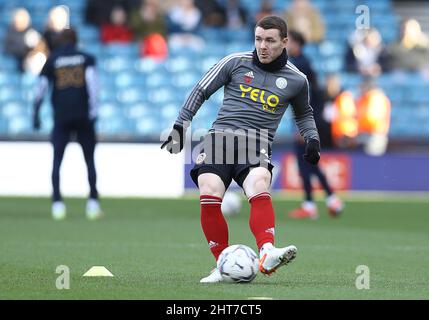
(262, 218)
(214, 225)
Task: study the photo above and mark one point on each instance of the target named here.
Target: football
(231, 204)
(238, 263)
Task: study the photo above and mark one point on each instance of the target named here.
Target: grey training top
(253, 98)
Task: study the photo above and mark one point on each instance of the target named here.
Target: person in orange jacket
(373, 116)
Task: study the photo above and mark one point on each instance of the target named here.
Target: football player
(258, 88)
(72, 75)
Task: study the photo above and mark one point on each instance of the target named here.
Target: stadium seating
(140, 97)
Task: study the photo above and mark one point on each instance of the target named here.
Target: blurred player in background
(308, 208)
(72, 75)
(258, 87)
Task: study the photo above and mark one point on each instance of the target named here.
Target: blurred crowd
(370, 56)
(344, 119)
(159, 25)
(29, 46)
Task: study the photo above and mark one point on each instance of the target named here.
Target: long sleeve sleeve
(39, 93)
(303, 114)
(218, 76)
(92, 85)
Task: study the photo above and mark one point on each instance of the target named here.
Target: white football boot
(59, 210)
(93, 210)
(213, 277)
(272, 258)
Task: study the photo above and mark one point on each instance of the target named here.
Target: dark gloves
(312, 151)
(175, 140)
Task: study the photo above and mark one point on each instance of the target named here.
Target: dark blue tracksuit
(69, 72)
(306, 169)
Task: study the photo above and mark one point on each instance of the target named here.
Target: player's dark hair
(68, 36)
(297, 36)
(273, 22)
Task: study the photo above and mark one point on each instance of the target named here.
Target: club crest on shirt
(281, 83)
(248, 77)
(201, 157)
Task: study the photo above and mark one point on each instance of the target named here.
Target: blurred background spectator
(58, 20)
(147, 19)
(302, 16)
(411, 51)
(364, 52)
(22, 41)
(339, 113)
(116, 29)
(295, 50)
(373, 115)
(184, 19)
(36, 58)
(150, 29)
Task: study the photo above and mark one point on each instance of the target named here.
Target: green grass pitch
(156, 250)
